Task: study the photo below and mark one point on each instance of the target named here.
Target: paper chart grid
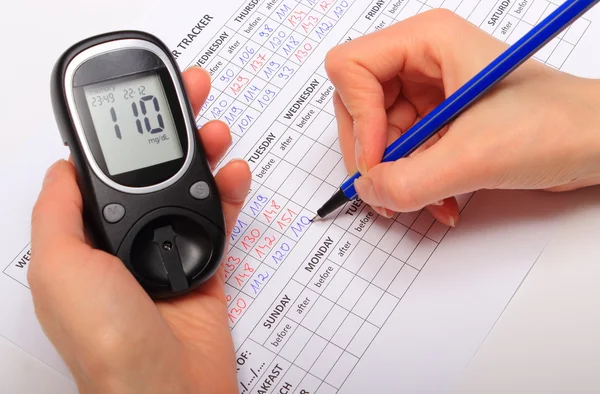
(319, 340)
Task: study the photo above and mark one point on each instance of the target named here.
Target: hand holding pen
(534, 130)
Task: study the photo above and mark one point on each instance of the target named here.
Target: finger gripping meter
(148, 192)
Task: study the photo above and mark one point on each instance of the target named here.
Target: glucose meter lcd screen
(133, 123)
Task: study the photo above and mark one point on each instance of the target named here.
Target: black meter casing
(149, 196)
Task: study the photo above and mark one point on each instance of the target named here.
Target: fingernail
(360, 158)
(366, 190)
(51, 173)
(389, 213)
(441, 202)
(379, 210)
(451, 221)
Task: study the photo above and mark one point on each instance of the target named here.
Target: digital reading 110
(148, 191)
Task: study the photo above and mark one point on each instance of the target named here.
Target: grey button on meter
(113, 212)
(200, 190)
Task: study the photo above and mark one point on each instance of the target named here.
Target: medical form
(356, 302)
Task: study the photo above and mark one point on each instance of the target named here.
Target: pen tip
(315, 218)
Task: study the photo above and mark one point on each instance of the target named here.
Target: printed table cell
(341, 370)
(252, 91)
(410, 9)
(544, 53)
(520, 7)
(338, 285)
(264, 30)
(277, 39)
(244, 122)
(347, 330)
(326, 361)
(338, 174)
(303, 305)
(407, 245)
(422, 253)
(359, 255)
(388, 272)
(330, 135)
(394, 8)
(326, 389)
(286, 143)
(518, 32)
(299, 151)
(382, 310)
(451, 5)
(423, 222)
(332, 322)
(377, 230)
(237, 308)
(289, 46)
(323, 276)
(367, 301)
(243, 272)
(230, 293)
(239, 84)
(504, 30)
(296, 17)
(392, 237)
(299, 225)
(560, 54)
(293, 182)
(287, 217)
(280, 252)
(381, 23)
(322, 28)
(319, 125)
(251, 24)
(311, 352)
(575, 32)
(535, 11)
(265, 98)
(17, 269)
(233, 113)
(344, 248)
(327, 164)
(261, 59)
(277, 176)
(373, 264)
(246, 53)
(363, 221)
(402, 281)
(304, 50)
(353, 292)
(437, 231)
(309, 385)
(316, 315)
(303, 121)
(310, 22)
(226, 77)
(306, 191)
(258, 280)
(281, 335)
(240, 226)
(219, 107)
(362, 339)
(265, 168)
(296, 344)
(322, 194)
(230, 42)
(258, 202)
(273, 207)
(233, 261)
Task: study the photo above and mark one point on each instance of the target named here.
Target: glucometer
(148, 191)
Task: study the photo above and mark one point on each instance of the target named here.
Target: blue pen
(454, 105)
